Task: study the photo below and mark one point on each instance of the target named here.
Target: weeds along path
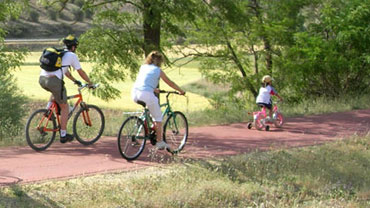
(23, 165)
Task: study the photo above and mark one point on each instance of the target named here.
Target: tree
(124, 32)
(330, 57)
(240, 39)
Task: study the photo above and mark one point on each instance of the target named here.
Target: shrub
(34, 16)
(52, 14)
(11, 107)
(78, 15)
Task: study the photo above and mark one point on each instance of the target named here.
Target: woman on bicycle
(146, 85)
(264, 95)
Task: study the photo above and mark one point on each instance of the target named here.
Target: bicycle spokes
(131, 138)
(88, 124)
(176, 131)
(40, 130)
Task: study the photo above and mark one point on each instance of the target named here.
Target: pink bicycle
(260, 120)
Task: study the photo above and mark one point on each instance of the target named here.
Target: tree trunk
(152, 28)
(267, 46)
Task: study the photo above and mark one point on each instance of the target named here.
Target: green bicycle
(136, 130)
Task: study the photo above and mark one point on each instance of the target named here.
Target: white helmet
(267, 79)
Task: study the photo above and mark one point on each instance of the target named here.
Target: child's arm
(274, 92)
(277, 95)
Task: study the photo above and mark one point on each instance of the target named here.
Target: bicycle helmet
(70, 40)
(267, 79)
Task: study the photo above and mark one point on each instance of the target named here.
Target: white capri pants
(151, 102)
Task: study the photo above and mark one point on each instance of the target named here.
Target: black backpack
(51, 59)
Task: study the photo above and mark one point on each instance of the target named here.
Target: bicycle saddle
(142, 103)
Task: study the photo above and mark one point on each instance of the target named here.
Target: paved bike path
(23, 165)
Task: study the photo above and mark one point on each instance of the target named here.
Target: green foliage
(118, 41)
(243, 37)
(331, 56)
(11, 107)
(11, 100)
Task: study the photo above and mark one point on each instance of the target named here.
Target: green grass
(335, 174)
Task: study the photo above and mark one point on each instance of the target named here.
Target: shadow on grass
(15, 196)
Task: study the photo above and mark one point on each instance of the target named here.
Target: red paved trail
(23, 165)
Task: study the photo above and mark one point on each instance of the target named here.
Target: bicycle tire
(259, 123)
(129, 146)
(39, 140)
(176, 131)
(279, 120)
(84, 133)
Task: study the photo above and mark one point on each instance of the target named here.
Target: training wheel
(267, 128)
(249, 125)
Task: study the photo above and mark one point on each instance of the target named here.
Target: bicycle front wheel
(40, 131)
(88, 124)
(131, 138)
(175, 131)
(279, 119)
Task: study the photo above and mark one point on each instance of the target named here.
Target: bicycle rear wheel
(175, 132)
(40, 131)
(131, 138)
(88, 124)
(259, 122)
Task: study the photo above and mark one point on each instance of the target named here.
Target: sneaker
(66, 138)
(162, 145)
(268, 119)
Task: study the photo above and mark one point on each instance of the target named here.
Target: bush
(52, 14)
(78, 15)
(11, 107)
(34, 16)
(16, 29)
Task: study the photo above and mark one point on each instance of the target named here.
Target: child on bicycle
(146, 84)
(264, 95)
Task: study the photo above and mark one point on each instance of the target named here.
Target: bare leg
(158, 129)
(63, 116)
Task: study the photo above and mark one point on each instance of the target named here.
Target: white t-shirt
(264, 95)
(68, 59)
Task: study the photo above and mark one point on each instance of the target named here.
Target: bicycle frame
(55, 108)
(149, 125)
(263, 111)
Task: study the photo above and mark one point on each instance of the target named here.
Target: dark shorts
(267, 105)
(56, 87)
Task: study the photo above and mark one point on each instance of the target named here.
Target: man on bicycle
(53, 82)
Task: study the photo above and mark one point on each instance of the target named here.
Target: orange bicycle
(43, 124)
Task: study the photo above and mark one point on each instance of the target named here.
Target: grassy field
(28, 76)
(331, 175)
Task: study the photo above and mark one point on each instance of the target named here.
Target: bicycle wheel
(88, 124)
(131, 138)
(259, 122)
(175, 131)
(40, 131)
(279, 119)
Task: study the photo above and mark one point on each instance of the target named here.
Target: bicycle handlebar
(169, 92)
(94, 86)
